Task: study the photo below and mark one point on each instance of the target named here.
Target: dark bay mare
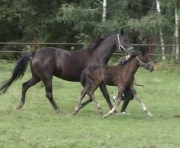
(67, 65)
(121, 76)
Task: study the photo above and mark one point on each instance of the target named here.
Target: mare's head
(123, 44)
(144, 61)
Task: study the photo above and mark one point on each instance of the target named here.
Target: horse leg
(91, 97)
(89, 87)
(90, 100)
(118, 101)
(128, 96)
(97, 105)
(82, 95)
(141, 103)
(106, 95)
(86, 102)
(25, 87)
(90, 91)
(48, 88)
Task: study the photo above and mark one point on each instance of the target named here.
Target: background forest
(82, 21)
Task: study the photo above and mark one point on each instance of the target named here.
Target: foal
(121, 76)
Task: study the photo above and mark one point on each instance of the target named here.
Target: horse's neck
(105, 50)
(132, 66)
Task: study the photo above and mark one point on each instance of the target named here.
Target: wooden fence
(34, 45)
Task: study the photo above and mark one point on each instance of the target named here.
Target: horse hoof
(74, 113)
(76, 109)
(105, 115)
(57, 111)
(150, 115)
(19, 107)
(125, 113)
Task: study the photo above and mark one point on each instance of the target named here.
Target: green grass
(36, 125)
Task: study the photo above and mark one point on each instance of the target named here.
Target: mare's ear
(122, 32)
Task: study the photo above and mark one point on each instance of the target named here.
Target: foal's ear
(122, 32)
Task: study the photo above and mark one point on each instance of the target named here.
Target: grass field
(36, 125)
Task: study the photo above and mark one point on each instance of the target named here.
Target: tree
(176, 33)
(160, 31)
(85, 20)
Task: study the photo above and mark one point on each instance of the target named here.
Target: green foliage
(81, 20)
(149, 24)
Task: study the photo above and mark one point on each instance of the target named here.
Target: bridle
(142, 64)
(121, 46)
(126, 50)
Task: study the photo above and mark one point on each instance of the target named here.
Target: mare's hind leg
(25, 87)
(106, 95)
(48, 87)
(128, 96)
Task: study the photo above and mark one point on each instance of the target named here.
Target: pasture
(36, 125)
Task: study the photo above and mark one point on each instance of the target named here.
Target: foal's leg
(141, 103)
(25, 87)
(97, 105)
(48, 87)
(86, 102)
(79, 105)
(118, 101)
(105, 94)
(86, 89)
(91, 96)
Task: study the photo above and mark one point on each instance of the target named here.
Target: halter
(142, 64)
(121, 46)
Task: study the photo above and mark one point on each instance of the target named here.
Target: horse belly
(110, 81)
(68, 74)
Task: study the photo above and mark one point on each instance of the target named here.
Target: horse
(67, 65)
(130, 94)
(121, 76)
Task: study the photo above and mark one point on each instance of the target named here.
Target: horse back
(64, 64)
(109, 75)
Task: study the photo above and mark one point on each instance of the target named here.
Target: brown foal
(121, 76)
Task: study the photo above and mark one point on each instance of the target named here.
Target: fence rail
(44, 43)
(34, 44)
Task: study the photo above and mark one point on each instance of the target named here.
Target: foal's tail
(18, 72)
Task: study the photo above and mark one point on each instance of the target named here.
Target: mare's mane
(100, 40)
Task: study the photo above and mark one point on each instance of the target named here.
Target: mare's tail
(18, 72)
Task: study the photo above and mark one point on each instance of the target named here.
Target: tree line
(84, 20)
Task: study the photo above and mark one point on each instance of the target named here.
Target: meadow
(36, 125)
